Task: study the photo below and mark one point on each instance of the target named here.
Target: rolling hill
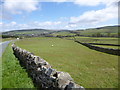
(108, 30)
(100, 31)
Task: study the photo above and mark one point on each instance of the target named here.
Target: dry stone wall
(104, 44)
(41, 72)
(105, 50)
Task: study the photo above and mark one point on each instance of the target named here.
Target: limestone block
(63, 79)
(50, 72)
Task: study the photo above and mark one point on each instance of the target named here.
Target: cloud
(19, 6)
(46, 23)
(56, 0)
(13, 23)
(94, 2)
(87, 2)
(15, 26)
(89, 18)
(1, 23)
(70, 26)
(84, 2)
(96, 16)
(50, 23)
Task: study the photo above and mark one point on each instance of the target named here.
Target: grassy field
(64, 33)
(7, 39)
(29, 31)
(0, 65)
(104, 31)
(103, 40)
(105, 46)
(13, 76)
(112, 30)
(89, 68)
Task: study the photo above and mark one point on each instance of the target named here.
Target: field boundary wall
(104, 44)
(42, 73)
(101, 49)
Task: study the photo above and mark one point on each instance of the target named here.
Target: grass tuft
(13, 75)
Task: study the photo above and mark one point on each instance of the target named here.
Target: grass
(30, 31)
(89, 68)
(105, 46)
(7, 39)
(62, 33)
(113, 30)
(107, 30)
(0, 72)
(103, 40)
(94, 31)
(13, 76)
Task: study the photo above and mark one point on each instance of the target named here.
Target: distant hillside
(110, 31)
(28, 31)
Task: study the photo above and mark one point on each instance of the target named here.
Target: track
(3, 46)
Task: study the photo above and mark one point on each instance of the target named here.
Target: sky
(57, 14)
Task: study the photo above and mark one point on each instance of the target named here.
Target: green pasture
(62, 33)
(7, 39)
(105, 46)
(13, 75)
(0, 72)
(26, 32)
(89, 68)
(32, 31)
(103, 40)
(111, 30)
